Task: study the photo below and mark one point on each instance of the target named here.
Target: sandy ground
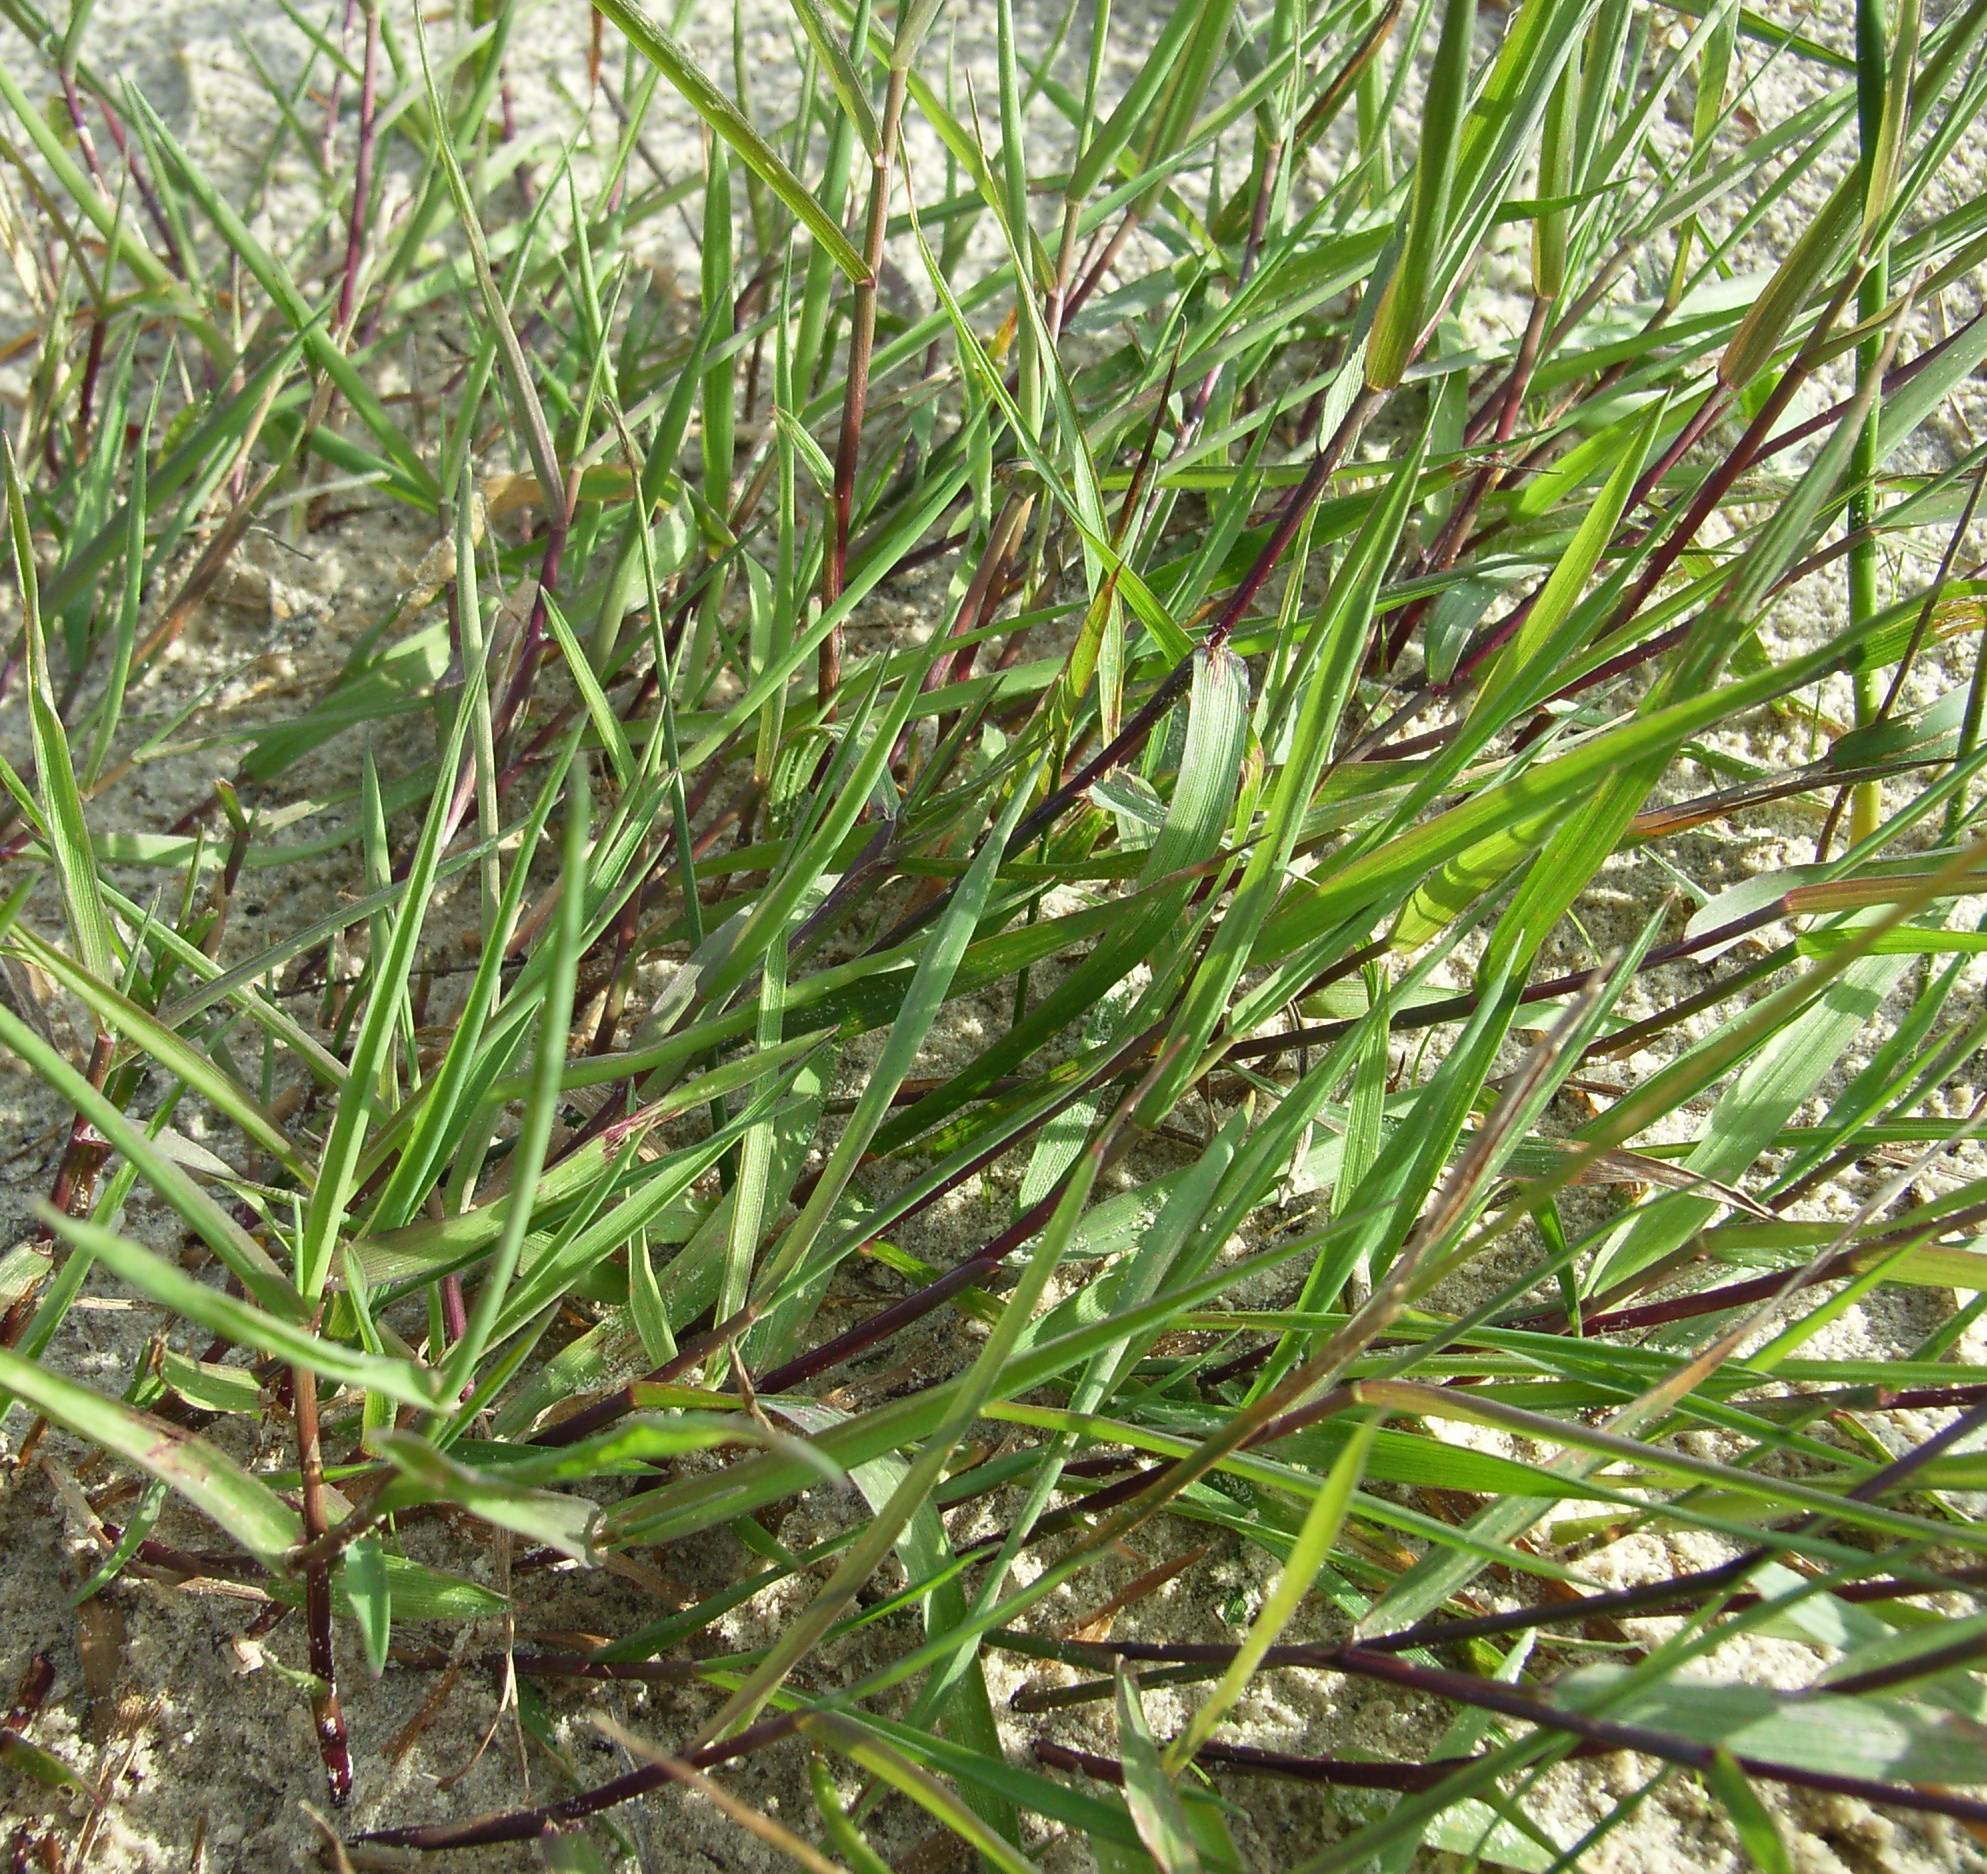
(200, 1742)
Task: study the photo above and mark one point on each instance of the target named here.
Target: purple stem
(362, 184)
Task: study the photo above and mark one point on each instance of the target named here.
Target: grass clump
(1133, 651)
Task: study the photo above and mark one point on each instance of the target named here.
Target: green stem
(1866, 802)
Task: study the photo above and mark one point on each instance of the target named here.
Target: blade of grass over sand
(60, 802)
(662, 50)
(246, 1511)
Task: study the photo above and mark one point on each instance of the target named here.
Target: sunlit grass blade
(246, 1511)
(662, 50)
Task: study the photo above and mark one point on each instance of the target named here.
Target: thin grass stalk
(1685, 1594)
(1055, 308)
(528, 1824)
(1335, 1772)
(1873, 115)
(1270, 160)
(1099, 263)
(86, 390)
(1290, 517)
(663, 677)
(1727, 1297)
(1825, 839)
(1976, 703)
(141, 180)
(72, 102)
(1360, 74)
(75, 1180)
(1461, 1006)
(334, 92)
(855, 397)
(1507, 406)
(362, 168)
(1615, 1734)
(531, 649)
(1597, 1736)
(327, 1714)
(1958, 1656)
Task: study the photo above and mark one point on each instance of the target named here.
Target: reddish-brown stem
(855, 397)
(1460, 1007)
(75, 1177)
(1750, 1293)
(362, 171)
(80, 124)
(1093, 274)
(86, 396)
(1679, 1594)
(982, 592)
(327, 1717)
(1949, 1658)
(224, 891)
(1457, 529)
(528, 1824)
(142, 182)
(1289, 518)
(1499, 410)
(334, 95)
(626, 925)
(1596, 1736)
(1338, 1772)
(533, 646)
(1520, 382)
(455, 1308)
(1509, 1701)
(1252, 247)
(1692, 433)
(691, 1354)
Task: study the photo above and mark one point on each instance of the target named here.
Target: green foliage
(980, 872)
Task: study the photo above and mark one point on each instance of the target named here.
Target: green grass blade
(662, 50)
